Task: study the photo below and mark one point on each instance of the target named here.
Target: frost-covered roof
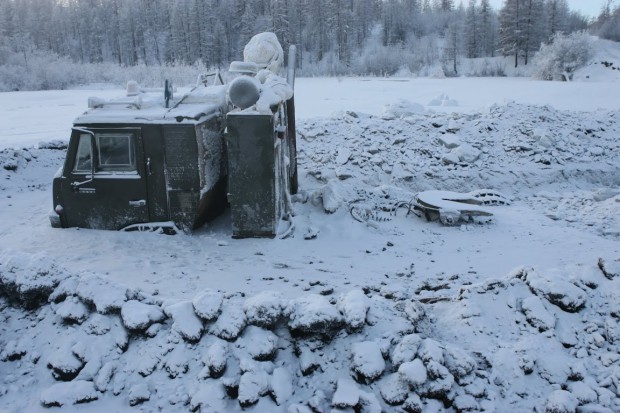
(194, 106)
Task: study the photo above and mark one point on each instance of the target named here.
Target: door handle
(138, 203)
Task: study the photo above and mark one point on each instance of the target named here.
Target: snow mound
(230, 323)
(252, 386)
(216, 358)
(61, 394)
(28, 280)
(563, 294)
(413, 373)
(265, 309)
(104, 295)
(347, 394)
(260, 344)
(443, 100)
(561, 401)
(73, 310)
(140, 316)
(354, 306)
(367, 361)
(400, 109)
(185, 321)
(406, 349)
(536, 314)
(208, 304)
(314, 314)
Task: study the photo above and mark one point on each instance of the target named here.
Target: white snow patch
(184, 320)
(354, 306)
(265, 308)
(208, 304)
(61, 394)
(314, 314)
(367, 360)
(139, 316)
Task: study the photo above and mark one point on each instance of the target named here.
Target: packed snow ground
(394, 313)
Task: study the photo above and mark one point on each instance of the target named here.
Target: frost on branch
(559, 59)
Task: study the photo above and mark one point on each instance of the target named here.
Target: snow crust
(69, 393)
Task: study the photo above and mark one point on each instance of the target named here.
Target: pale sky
(589, 8)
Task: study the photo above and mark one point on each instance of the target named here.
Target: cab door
(104, 185)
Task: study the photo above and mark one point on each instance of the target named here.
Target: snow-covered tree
(488, 29)
(454, 42)
(521, 28)
(472, 31)
(607, 24)
(557, 16)
(559, 59)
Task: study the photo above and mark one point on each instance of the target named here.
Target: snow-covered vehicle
(149, 160)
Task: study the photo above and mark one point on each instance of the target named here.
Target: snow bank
(325, 365)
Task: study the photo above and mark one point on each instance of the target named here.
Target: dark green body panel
(103, 200)
(156, 177)
(257, 186)
(168, 183)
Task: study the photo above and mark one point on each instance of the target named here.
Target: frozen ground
(394, 313)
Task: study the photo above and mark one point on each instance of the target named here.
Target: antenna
(168, 92)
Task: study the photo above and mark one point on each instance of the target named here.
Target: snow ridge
(148, 344)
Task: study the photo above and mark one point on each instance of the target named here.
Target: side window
(116, 152)
(84, 156)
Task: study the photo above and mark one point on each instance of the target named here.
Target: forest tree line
(333, 36)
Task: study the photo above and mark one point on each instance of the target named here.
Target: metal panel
(108, 199)
(251, 175)
(183, 183)
(154, 167)
(181, 157)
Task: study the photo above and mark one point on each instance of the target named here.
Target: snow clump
(354, 307)
(367, 361)
(185, 321)
(61, 394)
(104, 295)
(140, 316)
(207, 304)
(265, 309)
(313, 314)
